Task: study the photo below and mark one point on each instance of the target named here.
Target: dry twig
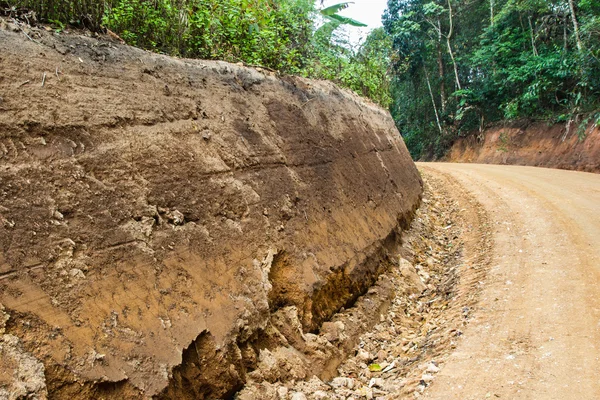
(25, 33)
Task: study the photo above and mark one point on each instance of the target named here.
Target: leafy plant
(331, 13)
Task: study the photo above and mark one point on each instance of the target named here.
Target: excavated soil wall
(156, 212)
(536, 144)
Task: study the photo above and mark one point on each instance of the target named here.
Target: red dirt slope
(534, 144)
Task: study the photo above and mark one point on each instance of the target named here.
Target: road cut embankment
(155, 213)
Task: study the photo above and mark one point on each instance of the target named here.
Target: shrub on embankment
(277, 34)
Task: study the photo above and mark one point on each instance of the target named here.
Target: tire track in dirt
(537, 332)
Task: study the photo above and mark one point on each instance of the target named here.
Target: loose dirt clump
(434, 283)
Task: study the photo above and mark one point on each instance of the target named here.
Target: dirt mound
(556, 146)
(156, 212)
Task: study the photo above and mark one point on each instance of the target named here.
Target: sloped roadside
(435, 295)
(155, 212)
(536, 144)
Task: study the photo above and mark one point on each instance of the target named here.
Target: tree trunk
(437, 117)
(450, 32)
(492, 12)
(575, 26)
(565, 37)
(535, 52)
(441, 71)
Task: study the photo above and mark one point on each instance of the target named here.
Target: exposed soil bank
(535, 144)
(435, 286)
(157, 214)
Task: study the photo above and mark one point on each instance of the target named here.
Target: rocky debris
(4, 317)
(408, 271)
(22, 375)
(401, 355)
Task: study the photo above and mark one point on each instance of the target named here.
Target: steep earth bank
(157, 214)
(435, 289)
(535, 144)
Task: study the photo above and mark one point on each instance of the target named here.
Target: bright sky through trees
(366, 11)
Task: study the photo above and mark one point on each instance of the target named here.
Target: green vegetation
(461, 64)
(444, 67)
(291, 36)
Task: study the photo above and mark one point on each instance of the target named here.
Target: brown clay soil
(159, 215)
(536, 332)
(534, 144)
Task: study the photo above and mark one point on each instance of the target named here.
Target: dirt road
(536, 333)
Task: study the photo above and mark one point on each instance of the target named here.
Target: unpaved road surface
(536, 332)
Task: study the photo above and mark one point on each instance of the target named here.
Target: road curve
(536, 331)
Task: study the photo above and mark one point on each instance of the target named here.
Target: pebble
(282, 392)
(363, 356)
(343, 382)
(320, 395)
(299, 396)
(376, 382)
(433, 368)
(77, 273)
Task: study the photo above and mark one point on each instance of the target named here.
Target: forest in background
(459, 65)
(445, 68)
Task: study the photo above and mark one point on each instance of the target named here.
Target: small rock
(363, 356)
(320, 395)
(410, 273)
(176, 217)
(427, 378)
(376, 382)
(333, 331)
(364, 392)
(389, 367)
(4, 317)
(433, 368)
(299, 396)
(282, 392)
(77, 273)
(343, 382)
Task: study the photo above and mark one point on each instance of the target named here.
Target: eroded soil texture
(564, 146)
(434, 287)
(158, 216)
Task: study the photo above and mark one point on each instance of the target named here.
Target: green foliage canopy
(461, 64)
